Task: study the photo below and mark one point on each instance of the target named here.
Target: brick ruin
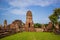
(16, 26)
(49, 27)
(5, 24)
(29, 25)
(57, 28)
(19, 26)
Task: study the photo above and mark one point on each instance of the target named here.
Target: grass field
(33, 36)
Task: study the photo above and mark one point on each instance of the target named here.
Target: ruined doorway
(29, 27)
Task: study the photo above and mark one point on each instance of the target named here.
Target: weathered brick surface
(29, 26)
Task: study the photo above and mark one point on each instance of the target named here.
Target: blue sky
(16, 9)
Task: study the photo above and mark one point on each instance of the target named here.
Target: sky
(11, 10)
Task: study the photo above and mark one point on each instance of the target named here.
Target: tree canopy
(37, 25)
(55, 16)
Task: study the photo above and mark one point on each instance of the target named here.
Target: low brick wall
(39, 30)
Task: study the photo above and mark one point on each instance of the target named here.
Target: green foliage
(37, 25)
(32, 36)
(55, 16)
(57, 11)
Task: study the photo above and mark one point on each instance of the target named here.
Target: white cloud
(26, 3)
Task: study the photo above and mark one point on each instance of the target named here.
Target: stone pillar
(29, 26)
(49, 27)
(56, 30)
(43, 28)
(5, 24)
(17, 28)
(56, 26)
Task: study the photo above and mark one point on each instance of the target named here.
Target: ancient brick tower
(5, 24)
(29, 26)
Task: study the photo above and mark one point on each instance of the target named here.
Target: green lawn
(32, 36)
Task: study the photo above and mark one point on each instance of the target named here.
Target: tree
(55, 16)
(57, 12)
(37, 25)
